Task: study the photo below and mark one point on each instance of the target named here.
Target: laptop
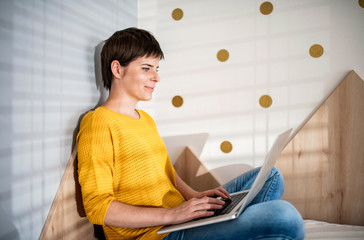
(239, 200)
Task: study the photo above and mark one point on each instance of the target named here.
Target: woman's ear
(116, 69)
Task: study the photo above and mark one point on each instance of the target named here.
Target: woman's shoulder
(102, 115)
(95, 116)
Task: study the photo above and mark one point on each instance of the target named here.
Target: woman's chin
(146, 98)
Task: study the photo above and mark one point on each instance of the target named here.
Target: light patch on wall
(223, 55)
(266, 8)
(177, 101)
(316, 50)
(177, 14)
(226, 147)
(265, 101)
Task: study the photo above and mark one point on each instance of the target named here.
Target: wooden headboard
(67, 218)
(323, 165)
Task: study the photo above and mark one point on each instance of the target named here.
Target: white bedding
(324, 230)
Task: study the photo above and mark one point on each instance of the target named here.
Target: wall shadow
(99, 233)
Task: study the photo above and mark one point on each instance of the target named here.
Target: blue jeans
(267, 217)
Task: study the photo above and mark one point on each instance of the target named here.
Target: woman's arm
(188, 193)
(128, 216)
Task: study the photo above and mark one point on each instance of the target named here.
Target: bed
(324, 230)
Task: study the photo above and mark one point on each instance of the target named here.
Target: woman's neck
(122, 106)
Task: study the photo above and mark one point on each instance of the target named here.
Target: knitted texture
(123, 159)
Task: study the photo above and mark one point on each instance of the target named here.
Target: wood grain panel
(67, 218)
(323, 165)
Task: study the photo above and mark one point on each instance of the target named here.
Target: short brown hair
(125, 46)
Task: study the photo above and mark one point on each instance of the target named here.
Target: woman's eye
(146, 69)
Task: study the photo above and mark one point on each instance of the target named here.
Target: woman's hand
(220, 192)
(197, 204)
(194, 208)
(189, 193)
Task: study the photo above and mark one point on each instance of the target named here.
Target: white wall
(269, 54)
(47, 81)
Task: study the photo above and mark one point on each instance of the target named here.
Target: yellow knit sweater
(123, 159)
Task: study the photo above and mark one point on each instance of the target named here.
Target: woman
(127, 181)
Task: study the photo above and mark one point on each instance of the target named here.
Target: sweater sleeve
(95, 167)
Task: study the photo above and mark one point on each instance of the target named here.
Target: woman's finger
(210, 200)
(221, 192)
(226, 193)
(206, 203)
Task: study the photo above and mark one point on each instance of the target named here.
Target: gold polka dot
(177, 101)
(361, 3)
(316, 50)
(223, 55)
(265, 101)
(226, 146)
(177, 14)
(266, 8)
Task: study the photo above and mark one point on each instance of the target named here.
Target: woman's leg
(268, 220)
(272, 190)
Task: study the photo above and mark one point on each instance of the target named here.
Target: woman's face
(140, 78)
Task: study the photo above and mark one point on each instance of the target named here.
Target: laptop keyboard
(229, 204)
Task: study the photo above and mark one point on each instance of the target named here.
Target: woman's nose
(156, 77)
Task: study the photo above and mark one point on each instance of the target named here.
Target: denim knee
(278, 182)
(289, 220)
(276, 172)
(275, 219)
